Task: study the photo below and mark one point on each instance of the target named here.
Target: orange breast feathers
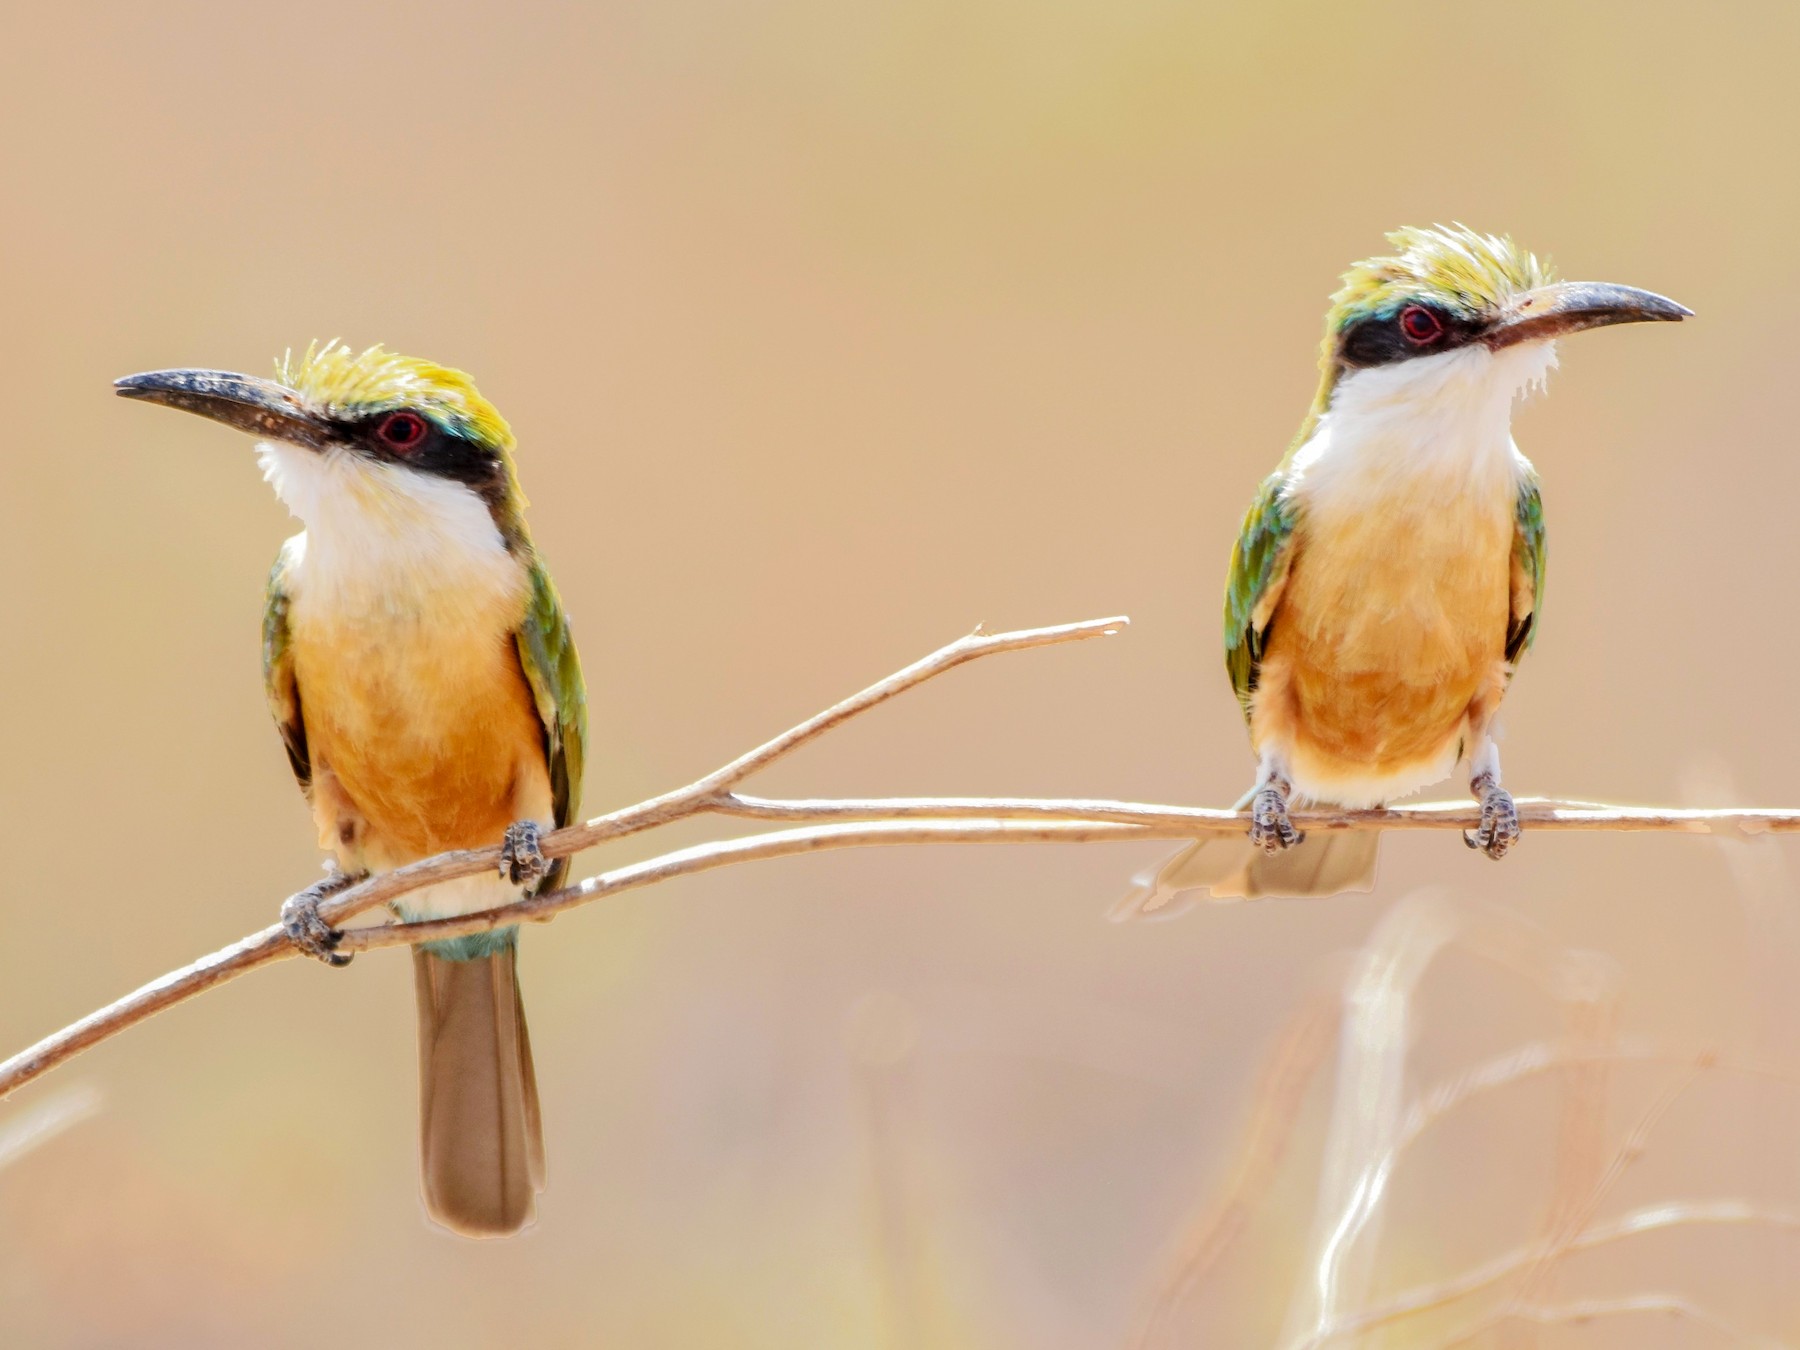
(424, 738)
(1391, 625)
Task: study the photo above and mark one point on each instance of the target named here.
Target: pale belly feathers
(1385, 658)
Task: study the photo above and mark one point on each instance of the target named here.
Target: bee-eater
(422, 674)
(1388, 576)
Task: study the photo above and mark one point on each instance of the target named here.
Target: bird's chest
(1393, 619)
(417, 713)
(1403, 561)
(1418, 586)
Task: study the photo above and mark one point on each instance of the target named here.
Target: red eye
(1420, 325)
(401, 431)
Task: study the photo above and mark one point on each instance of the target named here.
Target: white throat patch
(380, 537)
(1438, 426)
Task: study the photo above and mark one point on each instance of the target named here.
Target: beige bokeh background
(829, 330)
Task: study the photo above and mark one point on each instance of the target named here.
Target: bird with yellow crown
(1389, 574)
(422, 675)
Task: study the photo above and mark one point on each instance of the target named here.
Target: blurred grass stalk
(1376, 1114)
(880, 1036)
(38, 1126)
(1369, 1109)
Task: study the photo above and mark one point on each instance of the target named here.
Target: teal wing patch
(1259, 568)
(278, 673)
(1527, 569)
(553, 670)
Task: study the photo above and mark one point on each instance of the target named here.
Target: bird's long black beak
(1570, 306)
(260, 407)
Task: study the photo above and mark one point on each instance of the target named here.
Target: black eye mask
(1414, 330)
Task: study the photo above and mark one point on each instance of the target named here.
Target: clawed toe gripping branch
(820, 824)
(307, 929)
(1271, 827)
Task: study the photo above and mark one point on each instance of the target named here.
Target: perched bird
(1388, 575)
(422, 674)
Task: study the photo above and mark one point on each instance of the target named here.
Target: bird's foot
(1499, 829)
(522, 859)
(1270, 828)
(310, 933)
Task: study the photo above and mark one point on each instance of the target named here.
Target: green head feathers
(1449, 265)
(336, 382)
(1449, 289)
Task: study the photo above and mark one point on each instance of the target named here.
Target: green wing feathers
(1259, 567)
(278, 675)
(1527, 569)
(553, 670)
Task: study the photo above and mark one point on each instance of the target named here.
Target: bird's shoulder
(279, 683)
(552, 668)
(1530, 555)
(1259, 562)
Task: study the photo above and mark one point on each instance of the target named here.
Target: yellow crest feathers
(1456, 265)
(340, 382)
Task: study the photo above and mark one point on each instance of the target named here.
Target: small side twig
(830, 824)
(708, 793)
(701, 796)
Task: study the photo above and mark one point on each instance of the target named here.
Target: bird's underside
(1384, 636)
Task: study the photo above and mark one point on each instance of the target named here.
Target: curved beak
(260, 407)
(1570, 306)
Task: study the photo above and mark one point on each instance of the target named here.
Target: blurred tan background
(829, 330)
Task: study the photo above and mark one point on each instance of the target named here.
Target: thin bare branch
(703, 794)
(833, 824)
(698, 797)
(1538, 813)
(241, 957)
(723, 853)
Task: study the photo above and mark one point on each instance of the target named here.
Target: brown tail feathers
(481, 1139)
(1229, 867)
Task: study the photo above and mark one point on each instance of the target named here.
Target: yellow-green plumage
(335, 380)
(422, 674)
(426, 708)
(1389, 574)
(1475, 272)
(1398, 604)
(429, 695)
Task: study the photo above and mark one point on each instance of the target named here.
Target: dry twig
(855, 823)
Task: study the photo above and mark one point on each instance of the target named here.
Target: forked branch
(824, 824)
(697, 798)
